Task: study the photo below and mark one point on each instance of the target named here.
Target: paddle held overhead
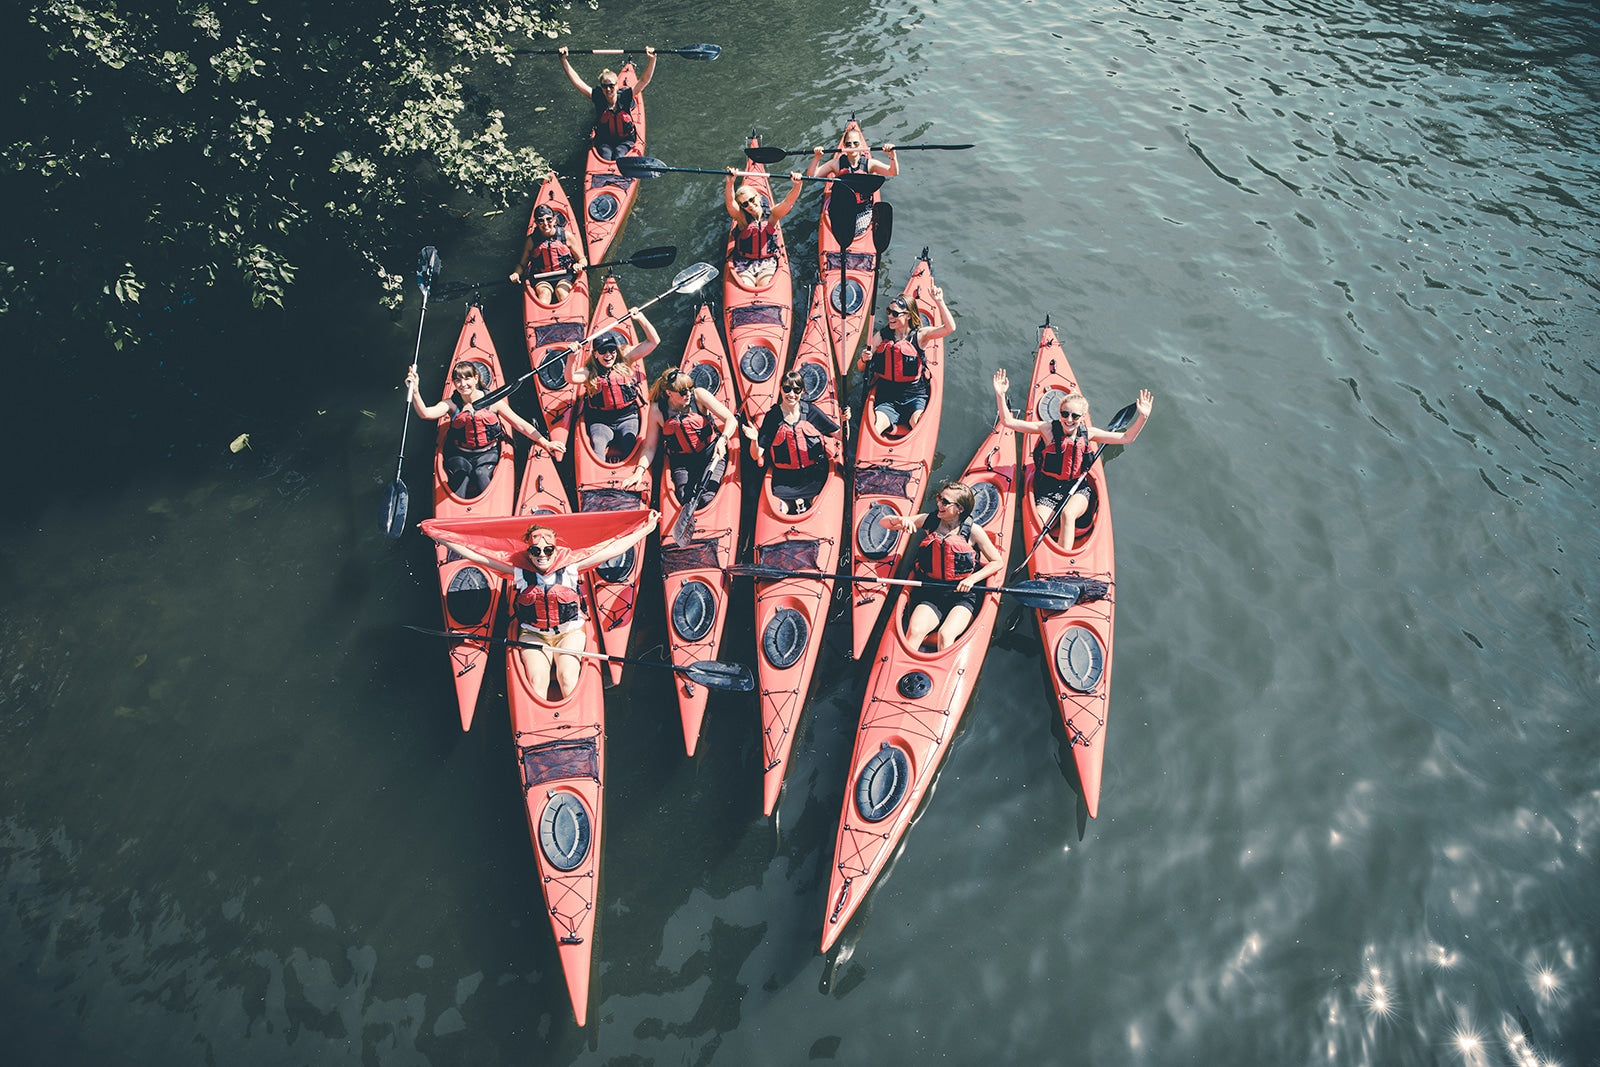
(397, 499)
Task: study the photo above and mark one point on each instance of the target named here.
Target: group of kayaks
(914, 698)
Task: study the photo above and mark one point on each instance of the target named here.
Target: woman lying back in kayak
(611, 388)
(548, 602)
(951, 547)
(799, 439)
(548, 249)
(756, 235)
(899, 369)
(1062, 453)
(855, 157)
(472, 438)
(695, 428)
(614, 133)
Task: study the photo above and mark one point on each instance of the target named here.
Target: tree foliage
(160, 150)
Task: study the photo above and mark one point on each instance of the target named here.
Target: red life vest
(552, 253)
(948, 557)
(548, 608)
(1061, 456)
(841, 163)
(689, 431)
(475, 430)
(614, 125)
(898, 361)
(756, 240)
(612, 393)
(797, 445)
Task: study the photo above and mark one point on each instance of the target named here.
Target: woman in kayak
(547, 250)
(855, 157)
(614, 133)
(611, 389)
(472, 438)
(796, 441)
(1062, 454)
(757, 240)
(695, 428)
(548, 602)
(952, 546)
(899, 381)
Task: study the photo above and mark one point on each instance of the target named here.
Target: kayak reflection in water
(898, 367)
(1062, 454)
(614, 133)
(951, 548)
(472, 439)
(695, 428)
(798, 439)
(548, 602)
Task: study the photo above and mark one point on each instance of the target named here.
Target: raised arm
(572, 75)
(888, 168)
(637, 353)
(942, 328)
(649, 70)
(477, 557)
(727, 197)
(1002, 383)
(780, 209)
(426, 411)
(616, 546)
(1126, 437)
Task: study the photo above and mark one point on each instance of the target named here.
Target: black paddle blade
(1047, 594)
(651, 258)
(395, 502)
(766, 155)
(882, 225)
(863, 185)
(1123, 419)
(641, 167)
(842, 221)
(702, 52)
(428, 267)
(716, 674)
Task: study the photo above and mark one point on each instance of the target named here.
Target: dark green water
(1350, 810)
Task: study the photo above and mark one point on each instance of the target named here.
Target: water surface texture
(1350, 811)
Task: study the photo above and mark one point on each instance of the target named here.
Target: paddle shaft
(659, 256)
(694, 51)
(774, 572)
(716, 674)
(428, 266)
(764, 155)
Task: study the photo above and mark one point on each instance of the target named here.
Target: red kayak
(790, 612)
(550, 328)
(849, 303)
(1077, 642)
(758, 320)
(695, 575)
(471, 597)
(891, 476)
(914, 703)
(602, 487)
(560, 751)
(607, 195)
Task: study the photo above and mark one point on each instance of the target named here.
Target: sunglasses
(796, 390)
(852, 144)
(1071, 416)
(747, 201)
(541, 551)
(608, 85)
(943, 503)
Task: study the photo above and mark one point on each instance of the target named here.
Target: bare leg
(536, 662)
(924, 619)
(955, 624)
(567, 670)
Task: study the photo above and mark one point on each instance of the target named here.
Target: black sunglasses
(541, 551)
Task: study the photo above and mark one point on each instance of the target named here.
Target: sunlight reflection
(1469, 1045)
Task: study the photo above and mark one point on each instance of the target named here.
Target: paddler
(855, 157)
(614, 133)
(612, 387)
(796, 440)
(694, 427)
(952, 546)
(548, 249)
(757, 238)
(548, 602)
(472, 437)
(898, 382)
(1061, 456)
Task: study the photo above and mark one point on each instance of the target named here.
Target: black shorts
(1051, 494)
(944, 600)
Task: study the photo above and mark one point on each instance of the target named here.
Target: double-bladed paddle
(863, 185)
(702, 52)
(1047, 594)
(682, 531)
(711, 673)
(397, 499)
(1119, 422)
(689, 280)
(767, 155)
